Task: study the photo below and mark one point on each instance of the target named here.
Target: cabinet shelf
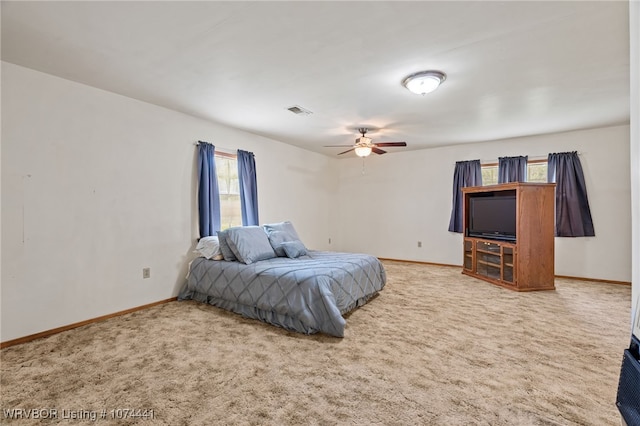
(488, 252)
(484, 262)
(525, 264)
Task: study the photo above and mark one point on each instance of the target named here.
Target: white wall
(634, 34)
(405, 197)
(97, 186)
(1, 224)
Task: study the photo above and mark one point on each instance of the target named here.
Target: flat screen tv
(493, 217)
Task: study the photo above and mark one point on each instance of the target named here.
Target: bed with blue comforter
(308, 294)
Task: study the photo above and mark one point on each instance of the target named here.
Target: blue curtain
(466, 173)
(208, 193)
(573, 216)
(512, 169)
(248, 187)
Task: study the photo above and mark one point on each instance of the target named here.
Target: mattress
(308, 294)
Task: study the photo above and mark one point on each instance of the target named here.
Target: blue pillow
(279, 233)
(227, 253)
(249, 244)
(294, 249)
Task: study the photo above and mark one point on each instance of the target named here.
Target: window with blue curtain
(248, 187)
(208, 194)
(466, 173)
(229, 187)
(573, 215)
(512, 169)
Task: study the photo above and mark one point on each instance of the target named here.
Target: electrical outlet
(146, 272)
(419, 243)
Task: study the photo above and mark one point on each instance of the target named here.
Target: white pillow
(209, 247)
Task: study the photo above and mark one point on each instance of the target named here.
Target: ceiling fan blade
(378, 150)
(337, 146)
(391, 144)
(349, 150)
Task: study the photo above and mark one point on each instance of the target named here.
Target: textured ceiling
(513, 68)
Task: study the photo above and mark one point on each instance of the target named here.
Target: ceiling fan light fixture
(424, 82)
(363, 151)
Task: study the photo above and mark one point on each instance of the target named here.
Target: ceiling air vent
(299, 110)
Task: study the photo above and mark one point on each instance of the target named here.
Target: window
(229, 186)
(536, 172)
(489, 174)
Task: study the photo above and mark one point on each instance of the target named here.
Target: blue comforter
(308, 294)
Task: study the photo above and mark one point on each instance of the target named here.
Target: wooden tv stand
(528, 263)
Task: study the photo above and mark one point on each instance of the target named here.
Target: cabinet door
(488, 261)
(508, 262)
(467, 262)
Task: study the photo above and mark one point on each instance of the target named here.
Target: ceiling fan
(363, 146)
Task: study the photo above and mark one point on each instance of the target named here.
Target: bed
(308, 292)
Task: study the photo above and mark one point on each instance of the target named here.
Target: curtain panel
(466, 173)
(573, 215)
(248, 188)
(208, 192)
(512, 169)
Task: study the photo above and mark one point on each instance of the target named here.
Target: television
(492, 217)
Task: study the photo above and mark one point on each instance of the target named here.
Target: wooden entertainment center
(526, 264)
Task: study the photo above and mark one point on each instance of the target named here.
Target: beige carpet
(435, 348)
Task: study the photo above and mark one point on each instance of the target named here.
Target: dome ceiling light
(424, 82)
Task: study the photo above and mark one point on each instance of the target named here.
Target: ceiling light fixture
(424, 82)
(363, 151)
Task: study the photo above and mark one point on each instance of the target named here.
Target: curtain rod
(530, 158)
(219, 148)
